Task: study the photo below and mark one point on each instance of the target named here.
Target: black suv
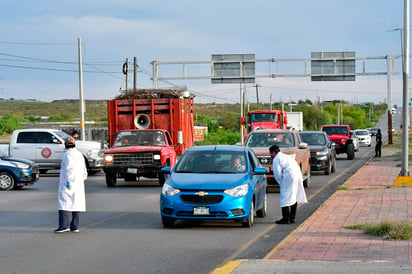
(322, 151)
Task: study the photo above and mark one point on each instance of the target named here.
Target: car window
(211, 162)
(268, 139)
(314, 138)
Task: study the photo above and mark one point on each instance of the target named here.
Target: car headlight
(20, 165)
(322, 153)
(156, 157)
(108, 159)
(238, 191)
(169, 191)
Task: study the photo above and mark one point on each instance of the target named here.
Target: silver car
(355, 140)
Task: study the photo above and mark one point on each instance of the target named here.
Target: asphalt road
(122, 232)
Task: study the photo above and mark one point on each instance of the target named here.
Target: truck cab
(139, 153)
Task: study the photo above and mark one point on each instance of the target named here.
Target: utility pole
(257, 96)
(126, 72)
(82, 107)
(134, 74)
(405, 78)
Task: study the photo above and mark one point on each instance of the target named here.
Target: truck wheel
(350, 152)
(162, 179)
(306, 182)
(6, 181)
(111, 179)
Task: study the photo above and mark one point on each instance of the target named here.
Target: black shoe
(61, 230)
(75, 230)
(292, 221)
(282, 221)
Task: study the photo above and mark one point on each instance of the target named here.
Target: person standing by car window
(378, 144)
(289, 177)
(71, 194)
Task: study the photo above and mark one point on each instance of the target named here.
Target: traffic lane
(120, 232)
(320, 189)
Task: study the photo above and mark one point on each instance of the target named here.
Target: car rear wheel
(328, 170)
(262, 212)
(6, 181)
(249, 221)
(334, 165)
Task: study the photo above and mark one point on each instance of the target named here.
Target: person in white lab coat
(71, 194)
(289, 177)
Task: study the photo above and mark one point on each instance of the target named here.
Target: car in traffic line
(289, 142)
(206, 184)
(355, 140)
(364, 137)
(17, 172)
(322, 151)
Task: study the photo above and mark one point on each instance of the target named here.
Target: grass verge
(389, 230)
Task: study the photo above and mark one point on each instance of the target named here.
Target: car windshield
(336, 130)
(362, 132)
(269, 139)
(211, 162)
(140, 138)
(314, 138)
(2, 154)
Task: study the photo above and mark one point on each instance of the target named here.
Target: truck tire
(6, 181)
(350, 152)
(111, 179)
(162, 179)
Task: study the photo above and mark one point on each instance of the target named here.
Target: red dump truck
(266, 119)
(148, 130)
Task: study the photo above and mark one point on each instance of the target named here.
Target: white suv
(364, 136)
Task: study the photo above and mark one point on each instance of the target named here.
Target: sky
(39, 46)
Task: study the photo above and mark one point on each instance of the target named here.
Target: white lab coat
(72, 170)
(289, 176)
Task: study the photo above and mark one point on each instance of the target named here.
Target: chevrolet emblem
(201, 193)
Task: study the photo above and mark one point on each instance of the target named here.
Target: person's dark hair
(274, 148)
(70, 142)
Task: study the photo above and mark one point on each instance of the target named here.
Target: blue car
(217, 182)
(17, 172)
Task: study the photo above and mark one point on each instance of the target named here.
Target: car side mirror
(166, 170)
(260, 170)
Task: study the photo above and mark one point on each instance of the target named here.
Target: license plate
(200, 211)
(132, 170)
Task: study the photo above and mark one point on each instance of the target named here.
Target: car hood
(16, 159)
(316, 147)
(133, 149)
(265, 150)
(87, 144)
(204, 181)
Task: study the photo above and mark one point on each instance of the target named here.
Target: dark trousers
(378, 149)
(289, 212)
(69, 219)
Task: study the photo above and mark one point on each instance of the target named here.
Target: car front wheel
(6, 181)
(249, 221)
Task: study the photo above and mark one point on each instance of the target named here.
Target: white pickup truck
(46, 148)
